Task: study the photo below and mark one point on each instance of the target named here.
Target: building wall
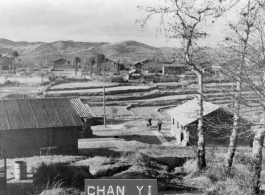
(28, 142)
(61, 64)
(176, 129)
(217, 128)
(171, 70)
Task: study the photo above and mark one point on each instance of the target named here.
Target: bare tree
(246, 56)
(91, 62)
(187, 20)
(238, 45)
(14, 56)
(77, 60)
(100, 59)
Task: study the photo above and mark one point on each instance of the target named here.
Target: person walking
(159, 125)
(149, 124)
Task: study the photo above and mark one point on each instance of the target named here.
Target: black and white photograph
(169, 94)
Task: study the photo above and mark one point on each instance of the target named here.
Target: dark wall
(217, 128)
(27, 142)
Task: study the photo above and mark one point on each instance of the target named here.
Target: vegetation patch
(112, 170)
(66, 175)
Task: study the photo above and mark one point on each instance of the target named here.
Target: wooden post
(3, 173)
(104, 106)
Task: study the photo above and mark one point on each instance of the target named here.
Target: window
(173, 121)
(181, 136)
(48, 137)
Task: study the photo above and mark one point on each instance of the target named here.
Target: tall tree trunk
(201, 140)
(234, 135)
(257, 155)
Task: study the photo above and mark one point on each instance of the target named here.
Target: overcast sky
(83, 20)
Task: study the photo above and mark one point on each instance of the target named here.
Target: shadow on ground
(146, 139)
(92, 152)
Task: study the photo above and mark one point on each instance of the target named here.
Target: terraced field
(146, 99)
(98, 110)
(72, 86)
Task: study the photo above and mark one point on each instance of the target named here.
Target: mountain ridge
(38, 52)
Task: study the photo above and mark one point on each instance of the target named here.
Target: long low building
(31, 127)
(218, 122)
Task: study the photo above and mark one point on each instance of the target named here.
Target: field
(82, 85)
(25, 80)
(112, 89)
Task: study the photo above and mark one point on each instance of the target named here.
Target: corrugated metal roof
(83, 110)
(188, 112)
(38, 113)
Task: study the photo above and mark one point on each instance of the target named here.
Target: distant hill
(39, 52)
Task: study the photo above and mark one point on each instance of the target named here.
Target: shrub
(52, 78)
(219, 173)
(112, 170)
(11, 83)
(69, 176)
(190, 167)
(242, 158)
(118, 79)
(240, 184)
(44, 83)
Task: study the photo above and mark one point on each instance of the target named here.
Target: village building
(218, 122)
(133, 75)
(61, 64)
(139, 65)
(86, 115)
(31, 127)
(174, 69)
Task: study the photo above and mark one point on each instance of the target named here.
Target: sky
(85, 20)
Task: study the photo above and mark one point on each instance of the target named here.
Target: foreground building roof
(38, 113)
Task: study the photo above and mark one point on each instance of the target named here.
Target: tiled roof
(176, 65)
(38, 113)
(83, 110)
(188, 112)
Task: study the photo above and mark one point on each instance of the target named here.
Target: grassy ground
(129, 149)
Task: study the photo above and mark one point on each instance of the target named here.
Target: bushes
(191, 168)
(240, 183)
(12, 83)
(69, 176)
(112, 170)
(52, 78)
(118, 79)
(219, 173)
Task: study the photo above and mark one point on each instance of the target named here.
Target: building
(36, 126)
(86, 115)
(61, 64)
(174, 69)
(218, 123)
(133, 75)
(139, 65)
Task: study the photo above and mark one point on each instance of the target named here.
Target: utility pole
(104, 106)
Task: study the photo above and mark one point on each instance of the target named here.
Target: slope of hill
(38, 52)
(5, 43)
